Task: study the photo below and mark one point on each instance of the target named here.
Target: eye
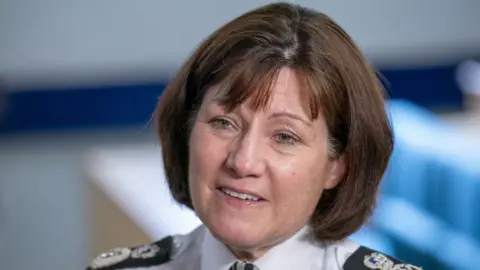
(286, 138)
(221, 123)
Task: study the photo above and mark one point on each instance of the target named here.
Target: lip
(240, 190)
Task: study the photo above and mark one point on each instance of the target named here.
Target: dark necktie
(243, 266)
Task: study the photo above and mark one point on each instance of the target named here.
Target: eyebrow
(290, 115)
(218, 100)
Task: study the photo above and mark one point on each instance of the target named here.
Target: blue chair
(428, 213)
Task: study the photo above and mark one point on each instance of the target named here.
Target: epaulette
(364, 258)
(144, 256)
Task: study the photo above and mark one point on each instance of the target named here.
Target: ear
(336, 172)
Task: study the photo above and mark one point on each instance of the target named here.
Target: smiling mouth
(241, 196)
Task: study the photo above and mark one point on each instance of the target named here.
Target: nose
(245, 157)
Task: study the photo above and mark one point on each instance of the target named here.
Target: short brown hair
(244, 56)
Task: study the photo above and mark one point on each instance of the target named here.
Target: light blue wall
(43, 200)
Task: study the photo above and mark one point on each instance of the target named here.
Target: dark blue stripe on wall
(433, 87)
(102, 107)
(79, 108)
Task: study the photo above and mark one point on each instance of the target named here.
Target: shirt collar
(215, 256)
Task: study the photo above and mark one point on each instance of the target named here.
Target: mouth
(245, 196)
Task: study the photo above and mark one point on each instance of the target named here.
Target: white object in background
(133, 177)
(468, 77)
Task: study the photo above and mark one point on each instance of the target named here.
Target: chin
(238, 234)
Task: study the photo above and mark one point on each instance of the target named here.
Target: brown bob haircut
(244, 57)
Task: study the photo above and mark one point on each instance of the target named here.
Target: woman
(274, 132)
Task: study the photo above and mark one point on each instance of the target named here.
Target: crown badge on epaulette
(381, 262)
(378, 261)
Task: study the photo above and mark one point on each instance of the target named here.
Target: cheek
(205, 155)
(305, 184)
(300, 181)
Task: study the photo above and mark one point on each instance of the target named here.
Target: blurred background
(80, 168)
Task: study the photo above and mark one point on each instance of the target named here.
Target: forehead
(281, 92)
(285, 93)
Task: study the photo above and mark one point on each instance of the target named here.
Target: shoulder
(365, 258)
(164, 251)
(144, 256)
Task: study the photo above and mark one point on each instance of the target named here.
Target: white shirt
(200, 250)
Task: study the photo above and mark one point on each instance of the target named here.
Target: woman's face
(256, 176)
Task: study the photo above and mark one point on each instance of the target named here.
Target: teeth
(242, 196)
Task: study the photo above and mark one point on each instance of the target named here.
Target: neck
(249, 255)
(252, 253)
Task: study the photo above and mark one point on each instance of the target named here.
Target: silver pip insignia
(145, 252)
(111, 257)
